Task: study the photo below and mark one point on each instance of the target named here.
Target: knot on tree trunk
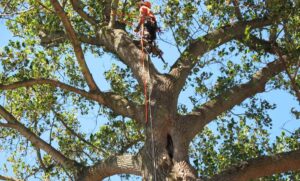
(183, 171)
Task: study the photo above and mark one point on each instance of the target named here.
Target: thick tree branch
(261, 166)
(52, 83)
(183, 66)
(195, 122)
(37, 141)
(113, 101)
(5, 178)
(76, 45)
(118, 42)
(77, 6)
(123, 164)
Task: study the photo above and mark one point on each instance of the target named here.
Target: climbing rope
(144, 79)
(148, 109)
(151, 128)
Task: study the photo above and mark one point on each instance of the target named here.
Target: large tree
(46, 86)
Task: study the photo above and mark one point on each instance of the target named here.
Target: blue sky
(281, 115)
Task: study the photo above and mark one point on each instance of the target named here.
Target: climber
(147, 19)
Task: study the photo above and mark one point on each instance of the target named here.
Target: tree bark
(165, 153)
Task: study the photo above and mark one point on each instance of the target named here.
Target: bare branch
(77, 6)
(76, 45)
(194, 122)
(37, 141)
(123, 164)
(181, 69)
(261, 166)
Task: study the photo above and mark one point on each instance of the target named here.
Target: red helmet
(147, 3)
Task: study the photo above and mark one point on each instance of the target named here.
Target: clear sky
(281, 115)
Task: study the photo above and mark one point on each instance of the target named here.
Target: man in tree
(148, 20)
(208, 113)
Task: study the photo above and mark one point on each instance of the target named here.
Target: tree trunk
(168, 159)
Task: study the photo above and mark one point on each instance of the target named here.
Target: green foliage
(118, 136)
(234, 139)
(123, 84)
